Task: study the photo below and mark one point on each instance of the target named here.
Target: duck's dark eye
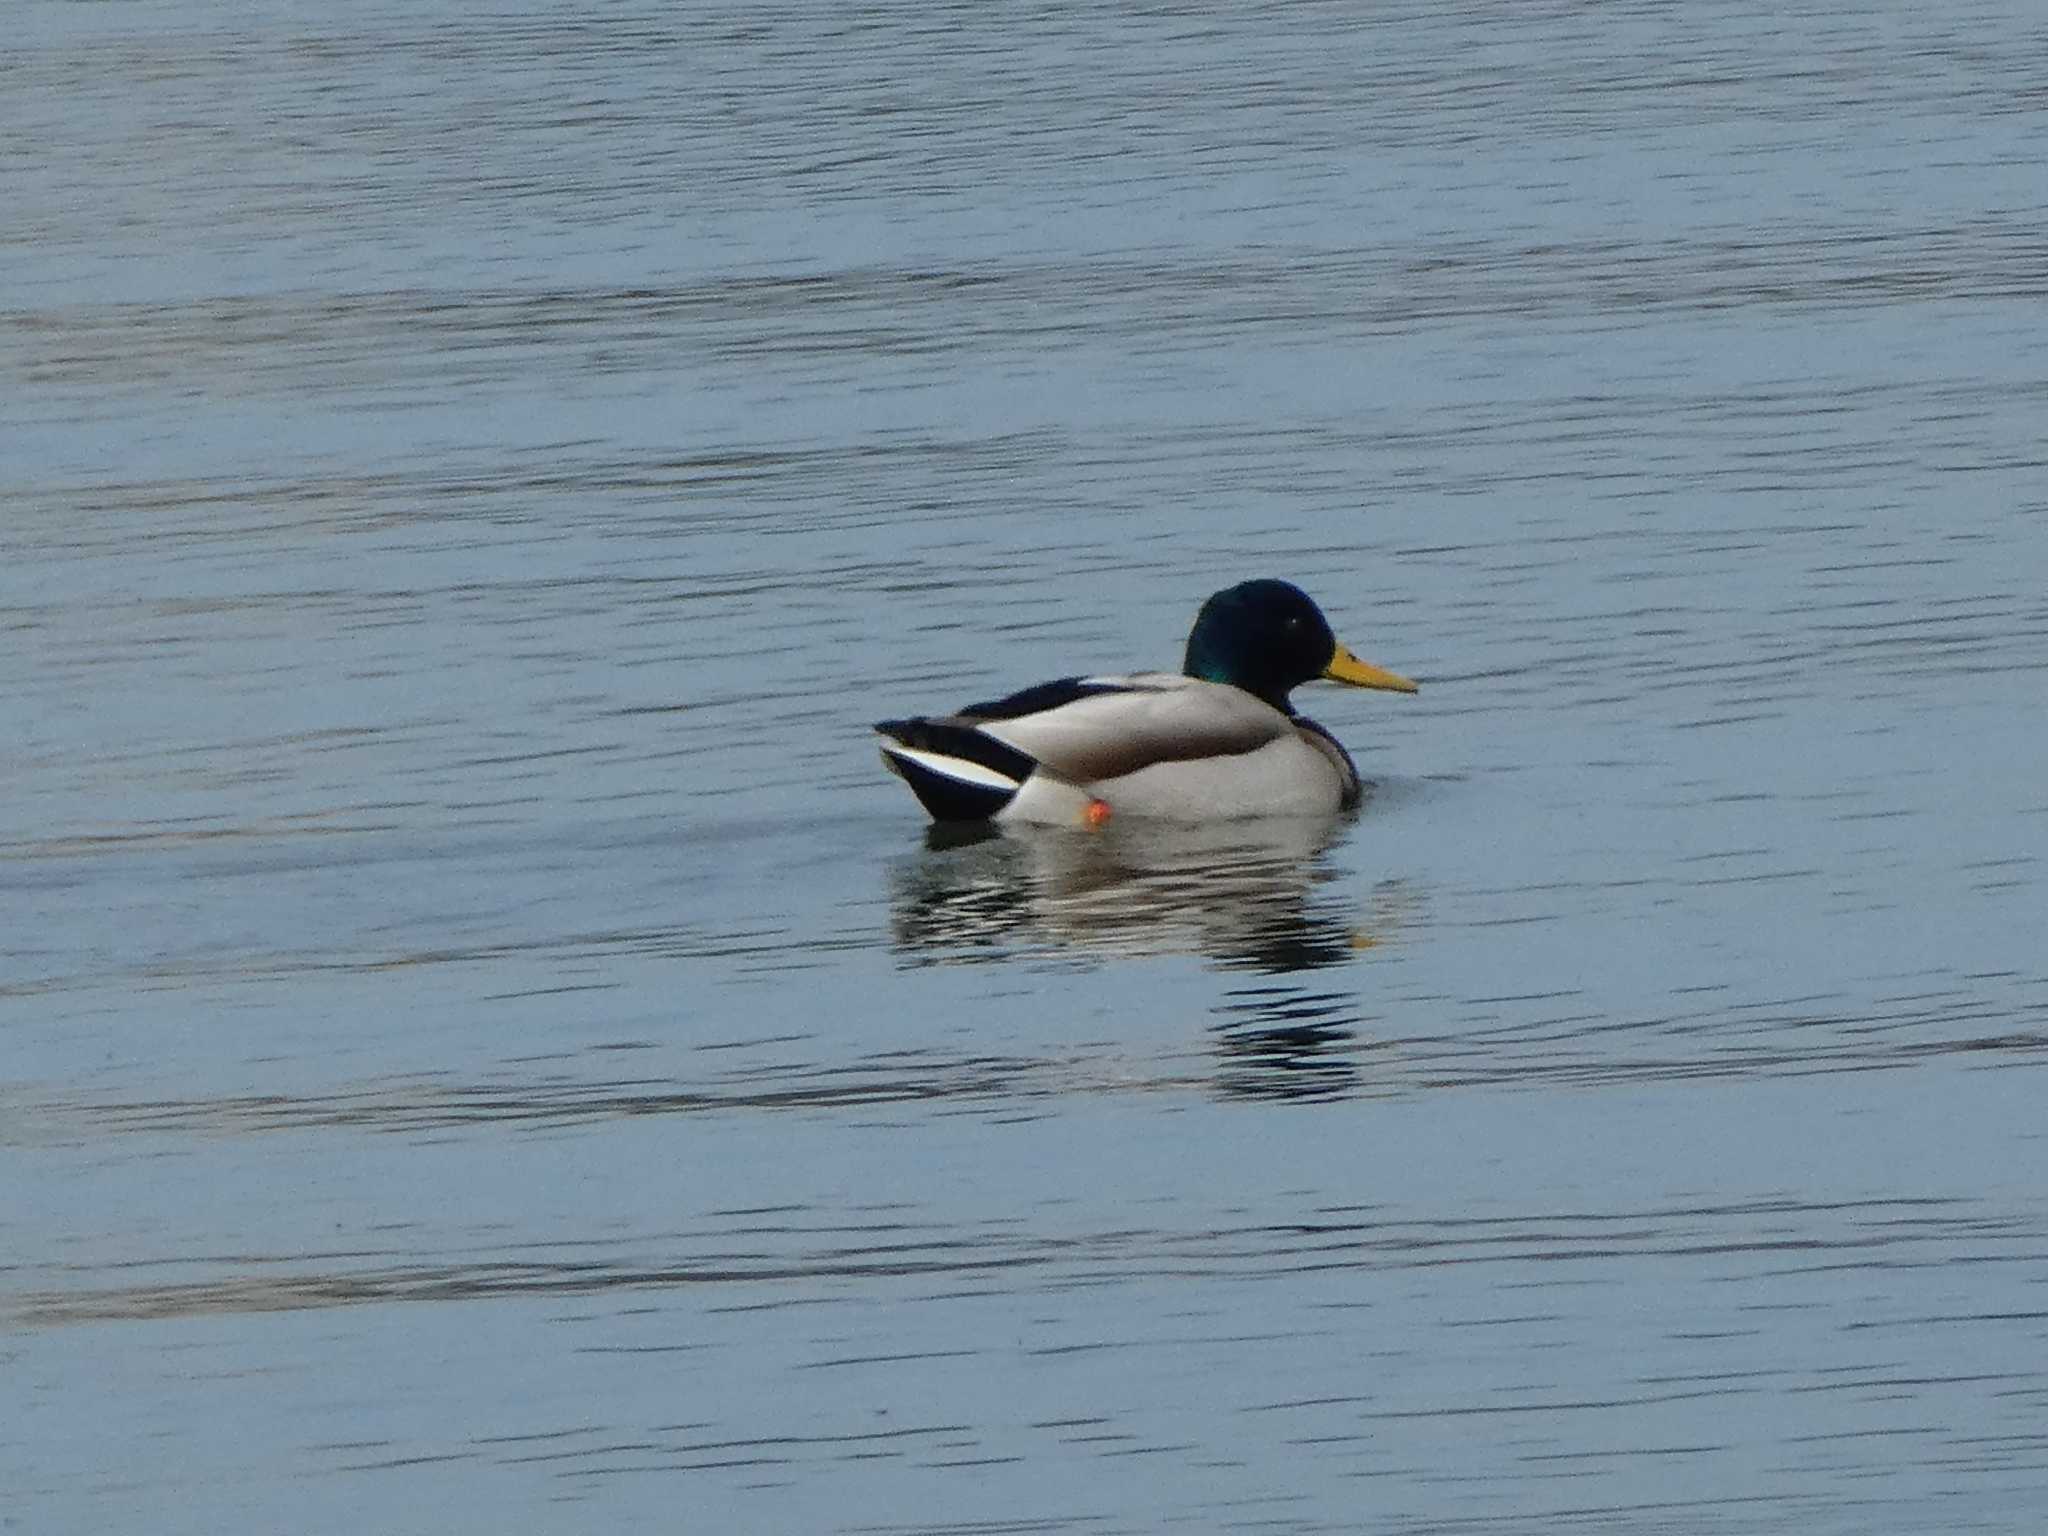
(1294, 625)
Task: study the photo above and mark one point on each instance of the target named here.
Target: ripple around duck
(1782, 1235)
(322, 345)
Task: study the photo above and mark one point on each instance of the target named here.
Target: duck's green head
(1268, 637)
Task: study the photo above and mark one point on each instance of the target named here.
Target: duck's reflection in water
(1250, 896)
(1287, 1042)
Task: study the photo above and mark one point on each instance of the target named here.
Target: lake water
(483, 1044)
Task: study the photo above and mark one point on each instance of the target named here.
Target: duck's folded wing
(1096, 728)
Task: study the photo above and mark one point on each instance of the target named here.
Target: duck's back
(1104, 728)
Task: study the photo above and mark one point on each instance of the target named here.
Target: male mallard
(1216, 741)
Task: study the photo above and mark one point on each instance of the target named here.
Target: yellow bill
(1347, 668)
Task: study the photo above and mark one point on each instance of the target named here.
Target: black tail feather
(945, 797)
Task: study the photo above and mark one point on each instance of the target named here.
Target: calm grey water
(484, 1047)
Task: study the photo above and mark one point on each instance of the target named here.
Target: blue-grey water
(484, 1046)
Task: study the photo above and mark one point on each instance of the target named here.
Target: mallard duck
(1216, 741)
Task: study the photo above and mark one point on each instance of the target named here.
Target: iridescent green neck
(1218, 652)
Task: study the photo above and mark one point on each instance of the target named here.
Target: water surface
(486, 1044)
